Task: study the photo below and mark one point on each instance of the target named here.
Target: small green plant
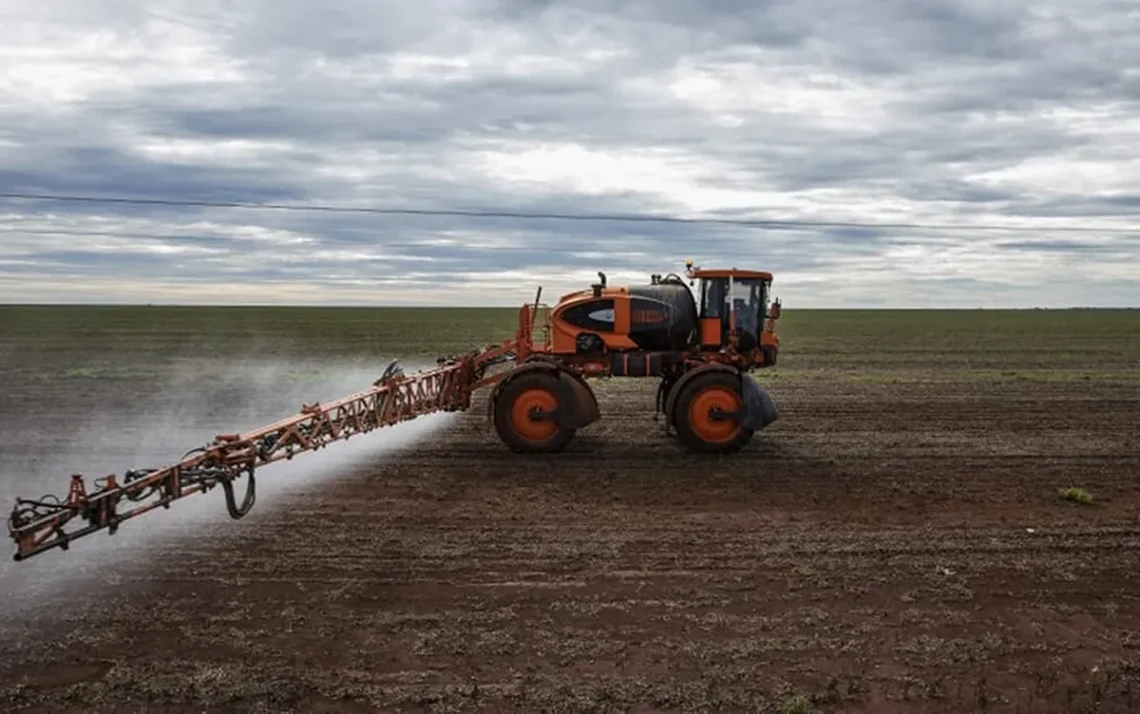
(796, 704)
(83, 373)
(1076, 495)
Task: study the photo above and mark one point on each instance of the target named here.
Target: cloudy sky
(987, 113)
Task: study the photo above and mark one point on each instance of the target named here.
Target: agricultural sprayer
(701, 347)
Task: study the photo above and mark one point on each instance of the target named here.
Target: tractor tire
(696, 430)
(537, 389)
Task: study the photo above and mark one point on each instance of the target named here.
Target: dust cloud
(199, 402)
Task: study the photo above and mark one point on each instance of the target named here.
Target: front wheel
(703, 415)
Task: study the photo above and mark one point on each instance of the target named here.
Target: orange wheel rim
(704, 425)
(521, 422)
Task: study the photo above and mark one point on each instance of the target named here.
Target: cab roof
(723, 273)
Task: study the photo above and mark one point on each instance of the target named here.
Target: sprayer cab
(737, 313)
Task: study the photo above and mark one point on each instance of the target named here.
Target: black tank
(663, 316)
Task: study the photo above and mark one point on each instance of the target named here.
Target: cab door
(714, 313)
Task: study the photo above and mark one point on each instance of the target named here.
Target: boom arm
(40, 525)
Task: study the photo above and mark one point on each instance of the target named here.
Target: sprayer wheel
(696, 430)
(534, 390)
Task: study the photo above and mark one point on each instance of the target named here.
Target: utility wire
(15, 230)
(209, 235)
(629, 218)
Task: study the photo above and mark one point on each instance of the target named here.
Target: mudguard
(586, 409)
(583, 404)
(759, 409)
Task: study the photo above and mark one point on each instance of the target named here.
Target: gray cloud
(871, 111)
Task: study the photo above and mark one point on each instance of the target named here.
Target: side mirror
(774, 310)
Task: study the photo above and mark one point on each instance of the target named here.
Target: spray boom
(41, 524)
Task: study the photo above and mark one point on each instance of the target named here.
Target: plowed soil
(895, 543)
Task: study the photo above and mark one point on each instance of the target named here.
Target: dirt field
(895, 543)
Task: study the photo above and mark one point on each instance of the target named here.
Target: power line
(109, 234)
(627, 218)
(14, 230)
(218, 236)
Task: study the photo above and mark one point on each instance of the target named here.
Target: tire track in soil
(881, 563)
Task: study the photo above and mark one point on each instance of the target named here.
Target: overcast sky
(1023, 114)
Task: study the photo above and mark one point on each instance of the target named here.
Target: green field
(875, 345)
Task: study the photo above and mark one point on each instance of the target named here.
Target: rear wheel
(699, 427)
(514, 414)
